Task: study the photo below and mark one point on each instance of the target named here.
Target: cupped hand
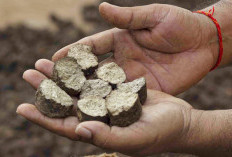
(164, 122)
(171, 46)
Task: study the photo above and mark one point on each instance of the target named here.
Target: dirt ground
(22, 44)
(35, 13)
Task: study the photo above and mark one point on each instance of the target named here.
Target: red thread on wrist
(210, 15)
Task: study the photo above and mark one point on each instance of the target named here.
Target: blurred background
(30, 30)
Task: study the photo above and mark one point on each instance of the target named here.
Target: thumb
(113, 138)
(139, 17)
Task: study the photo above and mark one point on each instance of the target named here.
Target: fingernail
(83, 132)
(18, 110)
(105, 3)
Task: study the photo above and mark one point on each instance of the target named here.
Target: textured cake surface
(93, 106)
(119, 101)
(83, 55)
(95, 87)
(53, 92)
(111, 72)
(133, 86)
(70, 73)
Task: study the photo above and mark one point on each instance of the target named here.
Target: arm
(210, 132)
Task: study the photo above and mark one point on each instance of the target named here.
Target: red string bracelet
(210, 15)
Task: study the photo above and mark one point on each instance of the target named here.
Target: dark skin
(173, 49)
(157, 42)
(159, 108)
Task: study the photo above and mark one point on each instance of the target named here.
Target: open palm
(164, 121)
(168, 45)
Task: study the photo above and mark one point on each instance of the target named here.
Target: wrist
(223, 12)
(209, 39)
(208, 134)
(189, 139)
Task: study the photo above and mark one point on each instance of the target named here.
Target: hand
(173, 49)
(165, 120)
(171, 46)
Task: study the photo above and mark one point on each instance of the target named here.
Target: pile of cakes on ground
(101, 91)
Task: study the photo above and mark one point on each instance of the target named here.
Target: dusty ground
(35, 13)
(21, 46)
